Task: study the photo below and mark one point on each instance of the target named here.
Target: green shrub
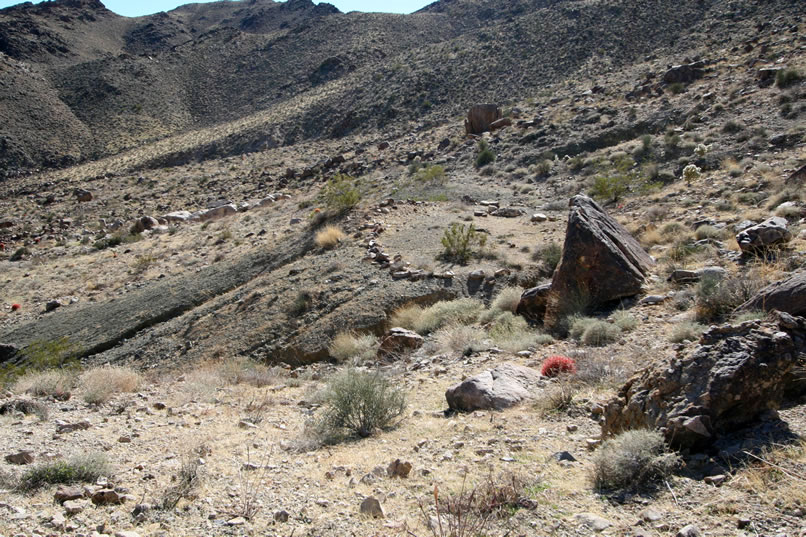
(485, 155)
(77, 469)
(549, 254)
(543, 168)
(302, 303)
(506, 300)
(732, 127)
(632, 459)
(460, 243)
(786, 77)
(461, 311)
(512, 333)
(108, 242)
(677, 88)
(41, 356)
(717, 297)
(593, 332)
(341, 193)
(360, 403)
(431, 174)
(19, 254)
(625, 321)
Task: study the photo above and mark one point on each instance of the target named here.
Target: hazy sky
(134, 8)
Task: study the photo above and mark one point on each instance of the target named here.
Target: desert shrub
(750, 316)
(101, 383)
(77, 469)
(186, 480)
(42, 356)
(406, 316)
(610, 187)
(634, 458)
(301, 304)
(330, 237)
(557, 398)
(459, 338)
(24, 407)
(485, 155)
(790, 212)
(461, 311)
(431, 174)
(360, 403)
(593, 332)
(557, 365)
(625, 321)
(549, 254)
(460, 243)
(543, 168)
(708, 232)
(677, 88)
(341, 193)
(350, 346)
(786, 77)
(242, 370)
(732, 127)
(686, 331)
(506, 300)
(717, 297)
(511, 332)
(605, 369)
(691, 173)
(54, 383)
(108, 242)
(19, 254)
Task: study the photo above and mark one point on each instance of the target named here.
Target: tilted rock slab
(787, 295)
(601, 262)
(495, 389)
(734, 376)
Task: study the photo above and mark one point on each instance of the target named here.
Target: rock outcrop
(768, 234)
(787, 295)
(480, 117)
(728, 382)
(397, 341)
(601, 262)
(495, 389)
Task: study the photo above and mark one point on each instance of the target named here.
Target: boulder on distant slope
(787, 295)
(684, 74)
(768, 234)
(601, 262)
(728, 382)
(495, 389)
(480, 117)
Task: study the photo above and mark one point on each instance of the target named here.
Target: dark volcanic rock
(786, 295)
(480, 117)
(601, 262)
(533, 303)
(728, 382)
(768, 234)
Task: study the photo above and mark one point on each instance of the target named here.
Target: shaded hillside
(82, 82)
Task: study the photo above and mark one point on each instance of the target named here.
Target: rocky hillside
(82, 83)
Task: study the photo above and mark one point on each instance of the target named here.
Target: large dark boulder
(770, 233)
(480, 117)
(601, 262)
(532, 305)
(786, 295)
(729, 382)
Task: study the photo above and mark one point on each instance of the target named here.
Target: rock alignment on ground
(601, 262)
(502, 387)
(735, 375)
(787, 295)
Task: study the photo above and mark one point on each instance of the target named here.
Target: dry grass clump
(718, 297)
(459, 338)
(506, 301)
(101, 383)
(187, 479)
(330, 237)
(54, 383)
(602, 369)
(512, 333)
(557, 398)
(632, 459)
(242, 370)
(776, 476)
(350, 346)
(427, 320)
(688, 331)
(624, 321)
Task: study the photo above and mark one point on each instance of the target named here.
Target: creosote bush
(593, 332)
(485, 155)
(76, 469)
(359, 403)
(632, 459)
(341, 193)
(329, 238)
(460, 243)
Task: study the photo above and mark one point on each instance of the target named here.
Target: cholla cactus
(691, 172)
(701, 150)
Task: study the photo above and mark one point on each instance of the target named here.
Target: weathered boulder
(83, 195)
(178, 216)
(684, 74)
(787, 295)
(502, 387)
(215, 213)
(692, 276)
(397, 341)
(508, 212)
(768, 234)
(23, 457)
(480, 117)
(144, 223)
(500, 123)
(532, 305)
(728, 382)
(601, 262)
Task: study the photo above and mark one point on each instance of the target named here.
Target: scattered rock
(539, 217)
(215, 213)
(500, 123)
(52, 305)
(684, 74)
(127, 534)
(397, 341)
(734, 376)
(397, 468)
(476, 275)
(372, 507)
(68, 493)
(498, 388)
(561, 456)
(74, 507)
(178, 216)
(281, 515)
(507, 212)
(144, 223)
(83, 195)
(652, 300)
(787, 295)
(23, 457)
(689, 531)
(72, 427)
(601, 262)
(768, 234)
(692, 276)
(594, 522)
(107, 497)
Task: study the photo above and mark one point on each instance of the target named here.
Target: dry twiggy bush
(101, 383)
(329, 238)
